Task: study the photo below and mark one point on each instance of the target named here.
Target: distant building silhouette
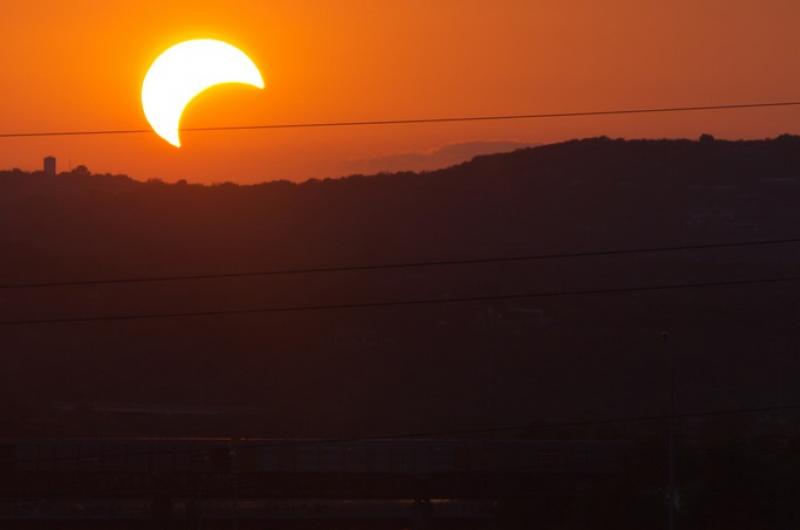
(50, 166)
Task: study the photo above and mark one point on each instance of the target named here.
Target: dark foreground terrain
(407, 368)
(534, 364)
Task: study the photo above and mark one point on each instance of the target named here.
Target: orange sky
(78, 64)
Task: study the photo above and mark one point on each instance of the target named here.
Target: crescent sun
(185, 70)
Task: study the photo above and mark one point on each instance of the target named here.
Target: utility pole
(671, 494)
(233, 453)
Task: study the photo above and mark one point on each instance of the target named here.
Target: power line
(414, 121)
(400, 265)
(259, 443)
(398, 303)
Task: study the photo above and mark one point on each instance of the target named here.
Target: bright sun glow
(185, 70)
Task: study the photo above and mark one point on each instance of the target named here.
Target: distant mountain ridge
(432, 159)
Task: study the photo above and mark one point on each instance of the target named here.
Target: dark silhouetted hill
(441, 157)
(404, 368)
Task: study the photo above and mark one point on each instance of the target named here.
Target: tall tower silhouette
(50, 166)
